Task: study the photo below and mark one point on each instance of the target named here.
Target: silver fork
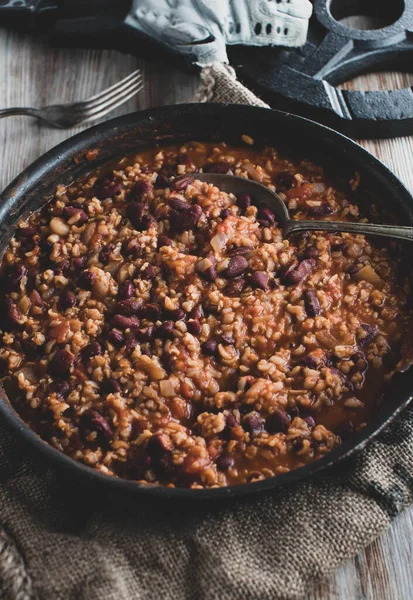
(67, 115)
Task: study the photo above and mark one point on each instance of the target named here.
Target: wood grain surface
(31, 74)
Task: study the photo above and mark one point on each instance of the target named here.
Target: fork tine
(111, 91)
(112, 106)
(108, 104)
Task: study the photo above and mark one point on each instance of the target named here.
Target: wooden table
(32, 74)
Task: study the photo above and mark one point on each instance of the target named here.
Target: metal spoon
(265, 197)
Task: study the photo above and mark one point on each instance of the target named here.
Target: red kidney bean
(131, 342)
(224, 462)
(371, 332)
(104, 254)
(253, 423)
(67, 299)
(310, 361)
(267, 215)
(237, 266)
(78, 264)
(141, 187)
(217, 167)
(13, 313)
(13, 276)
(284, 181)
(91, 419)
(178, 204)
(108, 191)
(240, 251)
(60, 388)
(244, 201)
(77, 215)
(310, 421)
(318, 211)
(196, 313)
(152, 312)
(225, 213)
(311, 303)
(278, 422)
(148, 273)
(164, 240)
(148, 221)
(93, 349)
(194, 327)
(161, 182)
(61, 363)
(210, 348)
(235, 287)
(185, 220)
(31, 349)
(259, 279)
(110, 386)
(300, 272)
(86, 279)
(129, 307)
(146, 334)
(123, 322)
(126, 290)
(182, 183)
(115, 337)
(231, 421)
(60, 266)
(311, 252)
(166, 330)
(175, 315)
(135, 212)
(26, 232)
(36, 299)
(158, 445)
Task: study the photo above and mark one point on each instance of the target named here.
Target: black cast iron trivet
(303, 80)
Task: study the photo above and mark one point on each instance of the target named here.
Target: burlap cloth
(60, 541)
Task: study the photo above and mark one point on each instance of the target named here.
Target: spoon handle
(392, 231)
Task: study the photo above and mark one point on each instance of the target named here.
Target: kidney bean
(78, 264)
(178, 204)
(185, 220)
(61, 363)
(278, 422)
(31, 349)
(135, 212)
(158, 445)
(266, 215)
(91, 419)
(235, 287)
(194, 327)
(131, 342)
(226, 339)
(67, 299)
(76, 215)
(123, 322)
(60, 266)
(164, 240)
(141, 187)
(108, 191)
(36, 299)
(13, 313)
(148, 273)
(105, 253)
(311, 303)
(311, 252)
(110, 386)
(231, 421)
(175, 315)
(148, 221)
(161, 182)
(13, 276)
(26, 232)
(126, 289)
(129, 307)
(115, 337)
(224, 462)
(217, 167)
(371, 332)
(93, 349)
(318, 211)
(259, 279)
(146, 334)
(240, 251)
(284, 181)
(244, 201)
(237, 266)
(210, 348)
(225, 213)
(310, 421)
(166, 330)
(253, 423)
(182, 183)
(310, 361)
(60, 388)
(86, 279)
(300, 272)
(152, 312)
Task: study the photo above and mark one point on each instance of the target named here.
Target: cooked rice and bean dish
(161, 330)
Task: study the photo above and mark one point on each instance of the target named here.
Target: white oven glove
(201, 29)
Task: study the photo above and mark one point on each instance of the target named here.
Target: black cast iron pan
(207, 122)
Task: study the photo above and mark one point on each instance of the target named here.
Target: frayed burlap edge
(15, 583)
